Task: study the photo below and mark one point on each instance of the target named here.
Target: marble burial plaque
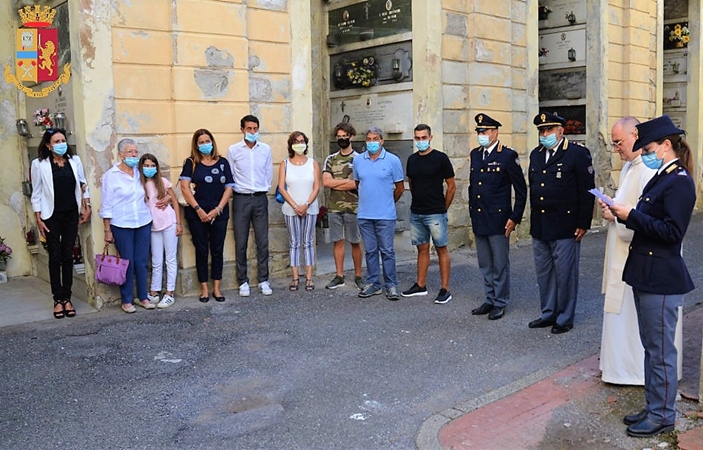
(562, 85)
(368, 20)
(675, 64)
(560, 13)
(566, 47)
(391, 112)
(674, 95)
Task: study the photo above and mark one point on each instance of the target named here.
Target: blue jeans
(424, 226)
(378, 237)
(133, 245)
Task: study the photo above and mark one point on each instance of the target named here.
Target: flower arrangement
(5, 250)
(361, 75)
(322, 219)
(543, 12)
(543, 51)
(43, 118)
(679, 34)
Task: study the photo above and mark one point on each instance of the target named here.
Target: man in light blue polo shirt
(379, 180)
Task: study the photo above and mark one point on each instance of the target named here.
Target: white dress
(621, 353)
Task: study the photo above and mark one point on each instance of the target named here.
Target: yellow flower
(685, 39)
(677, 26)
(677, 31)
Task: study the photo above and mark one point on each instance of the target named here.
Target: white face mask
(299, 148)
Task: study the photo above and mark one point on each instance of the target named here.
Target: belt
(252, 194)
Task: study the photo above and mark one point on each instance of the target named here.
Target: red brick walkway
(520, 420)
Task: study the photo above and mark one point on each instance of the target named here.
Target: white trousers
(164, 242)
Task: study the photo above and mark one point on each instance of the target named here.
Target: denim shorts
(422, 226)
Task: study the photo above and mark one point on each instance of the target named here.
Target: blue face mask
(373, 147)
(483, 140)
(548, 141)
(650, 160)
(420, 145)
(60, 148)
(252, 137)
(205, 149)
(149, 172)
(131, 161)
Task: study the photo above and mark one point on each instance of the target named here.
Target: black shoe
(496, 313)
(218, 299)
(634, 418)
(414, 291)
(560, 329)
(205, 299)
(540, 323)
(647, 428)
(443, 297)
(481, 310)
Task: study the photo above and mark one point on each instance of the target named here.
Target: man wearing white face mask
(495, 173)
(560, 176)
(428, 170)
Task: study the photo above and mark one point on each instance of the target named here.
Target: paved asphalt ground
(320, 370)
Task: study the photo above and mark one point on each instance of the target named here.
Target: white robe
(621, 353)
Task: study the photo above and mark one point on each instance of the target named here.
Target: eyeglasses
(299, 141)
(618, 143)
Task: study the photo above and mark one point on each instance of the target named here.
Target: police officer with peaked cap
(655, 267)
(495, 170)
(560, 176)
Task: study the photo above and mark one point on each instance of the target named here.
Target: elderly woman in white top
(127, 222)
(61, 201)
(299, 183)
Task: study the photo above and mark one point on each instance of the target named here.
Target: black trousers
(251, 211)
(208, 238)
(60, 239)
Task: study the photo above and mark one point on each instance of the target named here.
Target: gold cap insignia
(480, 118)
(543, 117)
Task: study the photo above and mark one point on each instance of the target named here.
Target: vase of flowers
(43, 118)
(5, 254)
(679, 34)
(543, 12)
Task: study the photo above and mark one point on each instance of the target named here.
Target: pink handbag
(110, 269)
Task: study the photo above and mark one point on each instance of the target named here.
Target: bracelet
(196, 207)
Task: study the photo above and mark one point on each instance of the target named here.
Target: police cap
(653, 130)
(546, 119)
(485, 122)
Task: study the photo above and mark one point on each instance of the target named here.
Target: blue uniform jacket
(489, 190)
(660, 220)
(559, 198)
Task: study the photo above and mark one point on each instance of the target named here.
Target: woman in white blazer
(61, 201)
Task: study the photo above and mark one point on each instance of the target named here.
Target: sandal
(309, 284)
(59, 314)
(68, 312)
(294, 284)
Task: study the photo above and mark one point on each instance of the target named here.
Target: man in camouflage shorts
(342, 204)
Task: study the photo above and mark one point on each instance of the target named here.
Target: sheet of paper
(601, 196)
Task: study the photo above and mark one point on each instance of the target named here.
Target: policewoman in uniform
(560, 176)
(495, 170)
(655, 268)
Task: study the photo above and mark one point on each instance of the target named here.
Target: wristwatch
(196, 207)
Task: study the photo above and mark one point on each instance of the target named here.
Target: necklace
(299, 163)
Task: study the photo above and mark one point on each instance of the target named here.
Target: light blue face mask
(251, 137)
(421, 145)
(205, 149)
(60, 148)
(149, 172)
(549, 141)
(483, 140)
(131, 161)
(373, 147)
(650, 160)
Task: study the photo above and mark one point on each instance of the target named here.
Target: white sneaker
(153, 298)
(166, 301)
(244, 290)
(265, 288)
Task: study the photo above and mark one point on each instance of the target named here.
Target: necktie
(550, 153)
(485, 154)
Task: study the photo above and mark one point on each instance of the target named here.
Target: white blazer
(43, 185)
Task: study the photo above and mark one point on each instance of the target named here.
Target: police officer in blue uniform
(655, 267)
(495, 169)
(560, 176)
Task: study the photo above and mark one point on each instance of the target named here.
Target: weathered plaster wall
(14, 206)
(486, 71)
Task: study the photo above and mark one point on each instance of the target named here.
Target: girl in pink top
(165, 229)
